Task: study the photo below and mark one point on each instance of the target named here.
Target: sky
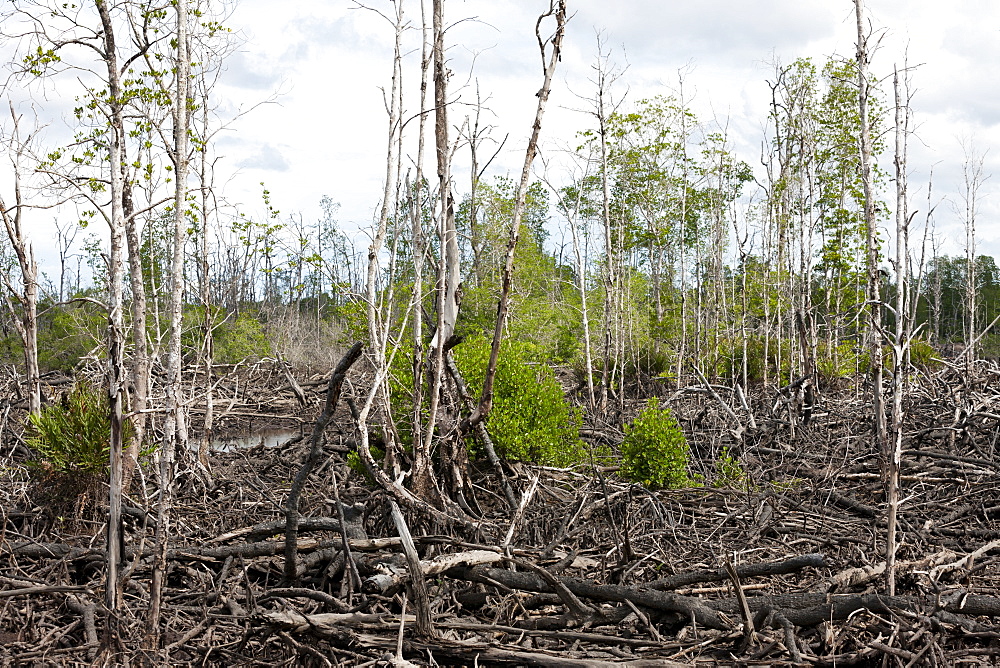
(305, 84)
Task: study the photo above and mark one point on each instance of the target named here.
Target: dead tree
(27, 296)
(874, 298)
(972, 181)
(551, 49)
(903, 332)
(175, 427)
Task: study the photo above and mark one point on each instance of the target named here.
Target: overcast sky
(323, 66)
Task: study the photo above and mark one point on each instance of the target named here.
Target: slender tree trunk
(205, 291)
(27, 323)
(140, 353)
(175, 427)
(448, 274)
(901, 345)
(874, 296)
(553, 47)
(418, 244)
(609, 270)
(581, 271)
(116, 325)
(376, 327)
(972, 181)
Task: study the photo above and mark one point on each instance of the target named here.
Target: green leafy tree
(544, 308)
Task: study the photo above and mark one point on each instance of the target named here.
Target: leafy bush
(530, 419)
(842, 361)
(356, 464)
(354, 317)
(655, 452)
(73, 436)
(729, 472)
(922, 355)
(66, 334)
(242, 338)
(549, 319)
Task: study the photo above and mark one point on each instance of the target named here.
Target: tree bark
(557, 9)
(27, 324)
(175, 427)
(116, 370)
(874, 305)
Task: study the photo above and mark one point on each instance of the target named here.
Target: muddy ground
(781, 563)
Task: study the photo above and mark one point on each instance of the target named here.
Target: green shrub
(353, 314)
(73, 437)
(655, 452)
(922, 355)
(841, 361)
(356, 464)
(66, 334)
(549, 321)
(240, 339)
(530, 419)
(728, 471)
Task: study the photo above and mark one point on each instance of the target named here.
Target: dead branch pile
(782, 565)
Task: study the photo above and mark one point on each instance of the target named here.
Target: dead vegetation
(777, 559)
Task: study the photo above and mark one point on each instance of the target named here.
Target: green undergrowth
(530, 419)
(655, 451)
(71, 443)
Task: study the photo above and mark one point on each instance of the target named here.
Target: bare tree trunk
(376, 327)
(416, 195)
(972, 181)
(571, 210)
(609, 270)
(682, 352)
(557, 9)
(65, 235)
(116, 325)
(449, 270)
(175, 427)
(874, 301)
(140, 353)
(27, 324)
(449, 234)
(901, 345)
(205, 178)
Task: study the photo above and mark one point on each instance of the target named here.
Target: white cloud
(330, 61)
(266, 158)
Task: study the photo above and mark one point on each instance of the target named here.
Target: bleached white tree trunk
(175, 426)
(27, 321)
(874, 300)
(903, 333)
(972, 181)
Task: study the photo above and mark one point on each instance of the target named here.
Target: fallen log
(782, 567)
(643, 596)
(266, 529)
(812, 609)
(381, 582)
(34, 550)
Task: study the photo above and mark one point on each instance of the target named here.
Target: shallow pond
(269, 438)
